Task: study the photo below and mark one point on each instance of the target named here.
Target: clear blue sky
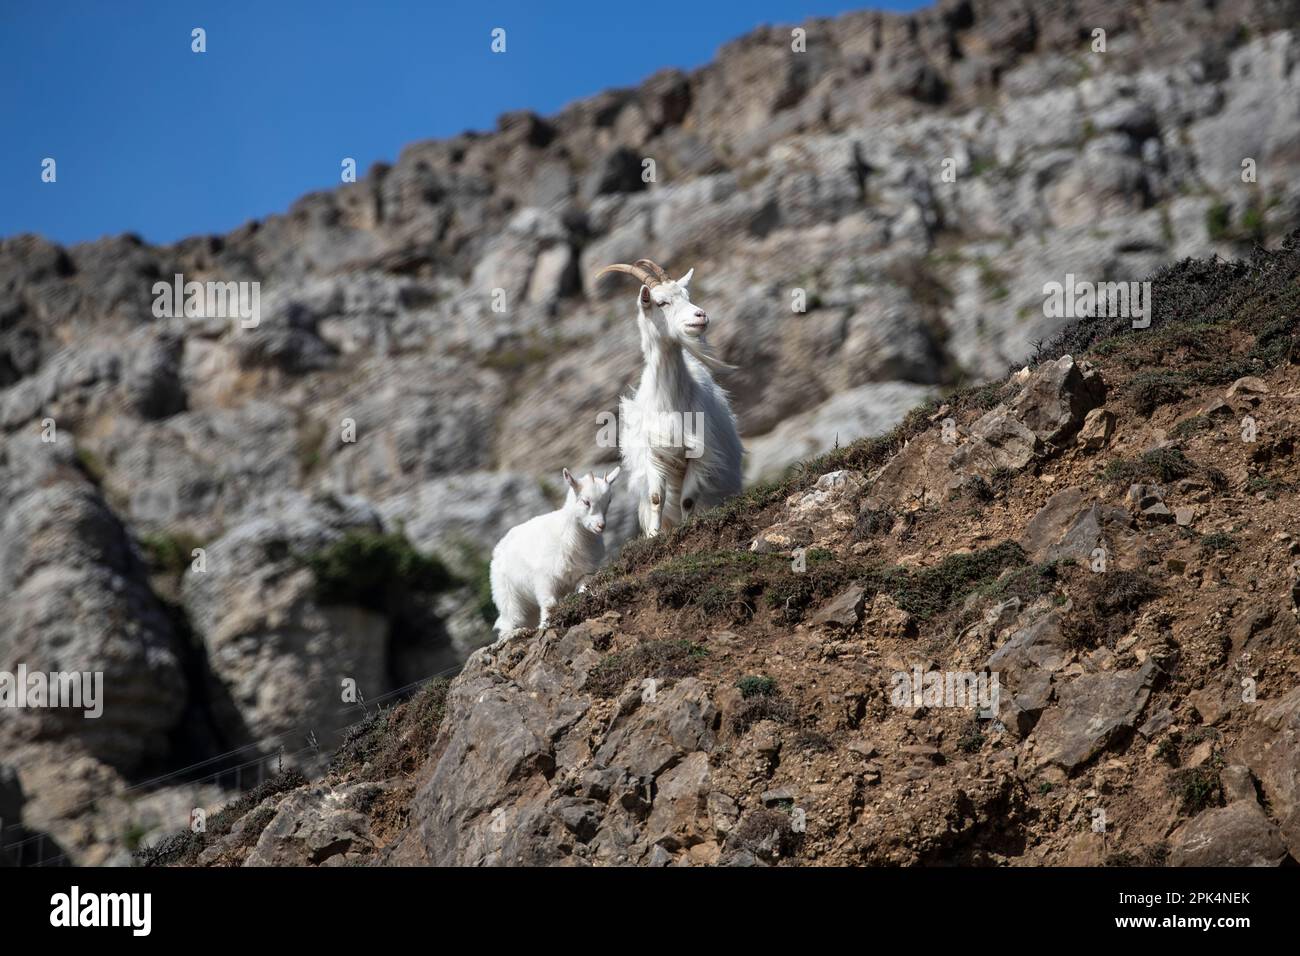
(154, 139)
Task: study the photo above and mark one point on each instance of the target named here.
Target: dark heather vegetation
(375, 570)
(734, 585)
(1160, 464)
(391, 742)
(663, 661)
(1106, 609)
(1196, 306)
(184, 848)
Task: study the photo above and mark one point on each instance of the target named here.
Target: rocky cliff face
(914, 180)
(1051, 620)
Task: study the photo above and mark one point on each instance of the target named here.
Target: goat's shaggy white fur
(679, 439)
(542, 560)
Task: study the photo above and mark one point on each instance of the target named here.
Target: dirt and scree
(1114, 531)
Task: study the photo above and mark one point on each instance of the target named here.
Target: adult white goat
(542, 560)
(677, 433)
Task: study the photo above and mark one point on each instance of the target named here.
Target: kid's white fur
(538, 563)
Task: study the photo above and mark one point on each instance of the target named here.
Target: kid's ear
(611, 475)
(685, 280)
(573, 482)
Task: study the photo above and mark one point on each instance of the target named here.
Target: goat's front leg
(690, 493)
(656, 492)
(547, 603)
(672, 501)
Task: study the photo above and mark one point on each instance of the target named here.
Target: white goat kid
(678, 434)
(542, 560)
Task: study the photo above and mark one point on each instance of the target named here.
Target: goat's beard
(698, 347)
(703, 351)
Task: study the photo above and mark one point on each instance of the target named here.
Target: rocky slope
(777, 174)
(1110, 531)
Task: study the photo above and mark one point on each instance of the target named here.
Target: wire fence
(37, 848)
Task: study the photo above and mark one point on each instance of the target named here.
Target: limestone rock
(1236, 835)
(1247, 387)
(1093, 710)
(315, 826)
(1071, 527)
(278, 652)
(1098, 426)
(843, 611)
(74, 597)
(1271, 750)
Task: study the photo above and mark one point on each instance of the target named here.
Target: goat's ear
(573, 482)
(611, 475)
(685, 280)
(645, 296)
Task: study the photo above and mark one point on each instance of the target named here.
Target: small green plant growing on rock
(1162, 464)
(475, 569)
(1190, 426)
(872, 522)
(1197, 788)
(1026, 583)
(134, 835)
(1104, 610)
(1168, 464)
(927, 592)
(169, 553)
(393, 741)
(971, 741)
(1125, 591)
(755, 686)
(977, 488)
(768, 834)
(91, 465)
(1151, 390)
(1155, 854)
(1252, 223)
(1218, 220)
(1266, 485)
(661, 659)
(992, 281)
(183, 848)
(375, 570)
(1217, 542)
(1001, 481)
(811, 739)
(763, 706)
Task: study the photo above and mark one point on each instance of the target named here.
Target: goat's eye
(586, 502)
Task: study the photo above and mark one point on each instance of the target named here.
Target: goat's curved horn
(652, 267)
(646, 277)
